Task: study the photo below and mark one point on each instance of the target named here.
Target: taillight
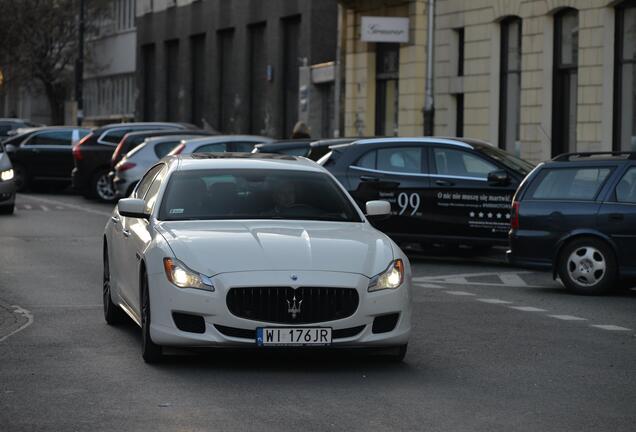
(124, 166)
(77, 152)
(115, 158)
(178, 149)
(514, 221)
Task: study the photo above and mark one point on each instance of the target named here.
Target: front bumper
(7, 192)
(166, 299)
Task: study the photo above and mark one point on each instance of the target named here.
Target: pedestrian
(301, 130)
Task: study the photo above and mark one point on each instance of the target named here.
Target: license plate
(293, 336)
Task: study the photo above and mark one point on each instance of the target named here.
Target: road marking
(610, 327)
(527, 308)
(568, 317)
(507, 279)
(28, 206)
(44, 208)
(59, 207)
(427, 285)
(73, 206)
(493, 301)
(28, 315)
(459, 293)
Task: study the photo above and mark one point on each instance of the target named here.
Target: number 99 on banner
(408, 203)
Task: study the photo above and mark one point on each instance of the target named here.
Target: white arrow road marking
(493, 301)
(610, 327)
(508, 279)
(527, 309)
(459, 293)
(568, 317)
(73, 206)
(28, 315)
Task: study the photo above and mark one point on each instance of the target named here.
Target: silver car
(220, 144)
(7, 183)
(136, 162)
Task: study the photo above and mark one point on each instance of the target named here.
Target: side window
(144, 183)
(367, 160)
(211, 148)
(164, 148)
(569, 183)
(115, 135)
(244, 147)
(459, 163)
(55, 138)
(153, 191)
(626, 188)
(400, 159)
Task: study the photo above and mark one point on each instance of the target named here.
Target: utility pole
(79, 66)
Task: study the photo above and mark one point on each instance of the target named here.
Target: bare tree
(39, 42)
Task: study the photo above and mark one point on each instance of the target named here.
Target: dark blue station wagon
(576, 216)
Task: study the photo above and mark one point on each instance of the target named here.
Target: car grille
(251, 334)
(277, 305)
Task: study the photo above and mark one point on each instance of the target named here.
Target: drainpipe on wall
(429, 103)
(338, 92)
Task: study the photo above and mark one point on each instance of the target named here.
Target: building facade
(239, 66)
(109, 75)
(537, 78)
(384, 80)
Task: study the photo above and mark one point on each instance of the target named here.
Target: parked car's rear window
(569, 183)
(626, 188)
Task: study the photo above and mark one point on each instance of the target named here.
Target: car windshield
(509, 161)
(255, 194)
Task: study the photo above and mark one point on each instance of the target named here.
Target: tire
(7, 210)
(587, 266)
(112, 312)
(150, 351)
(21, 178)
(101, 187)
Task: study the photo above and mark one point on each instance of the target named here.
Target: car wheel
(7, 210)
(151, 352)
(587, 266)
(21, 178)
(102, 187)
(112, 312)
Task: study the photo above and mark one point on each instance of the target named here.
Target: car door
(128, 233)
(464, 206)
(397, 174)
(44, 153)
(617, 218)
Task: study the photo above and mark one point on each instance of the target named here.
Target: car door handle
(114, 219)
(444, 183)
(369, 179)
(126, 233)
(616, 216)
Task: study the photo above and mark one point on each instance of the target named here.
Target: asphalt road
(493, 349)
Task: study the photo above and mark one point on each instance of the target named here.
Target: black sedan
(44, 154)
(442, 190)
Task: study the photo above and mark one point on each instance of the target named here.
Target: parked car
(576, 216)
(93, 155)
(44, 154)
(442, 190)
(220, 144)
(133, 139)
(8, 126)
(136, 162)
(319, 148)
(7, 185)
(291, 147)
(253, 250)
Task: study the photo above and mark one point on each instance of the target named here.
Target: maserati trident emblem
(293, 307)
(293, 277)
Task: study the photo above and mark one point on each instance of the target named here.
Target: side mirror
(132, 207)
(10, 148)
(378, 208)
(499, 177)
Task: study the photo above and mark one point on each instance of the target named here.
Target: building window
(197, 78)
(387, 80)
(510, 92)
(459, 115)
(625, 82)
(225, 62)
(566, 47)
(460, 51)
(172, 79)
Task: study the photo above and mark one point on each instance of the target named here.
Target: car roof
(334, 141)
(173, 137)
(231, 160)
(281, 144)
(582, 158)
(140, 125)
(225, 138)
(459, 142)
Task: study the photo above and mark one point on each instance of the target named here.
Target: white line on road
(28, 315)
(459, 293)
(44, 208)
(527, 308)
(610, 327)
(493, 301)
(568, 317)
(73, 206)
(28, 206)
(427, 285)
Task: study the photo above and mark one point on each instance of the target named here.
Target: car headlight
(183, 277)
(6, 175)
(391, 278)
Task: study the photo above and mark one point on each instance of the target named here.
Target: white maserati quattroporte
(253, 250)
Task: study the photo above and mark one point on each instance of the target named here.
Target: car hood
(213, 247)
